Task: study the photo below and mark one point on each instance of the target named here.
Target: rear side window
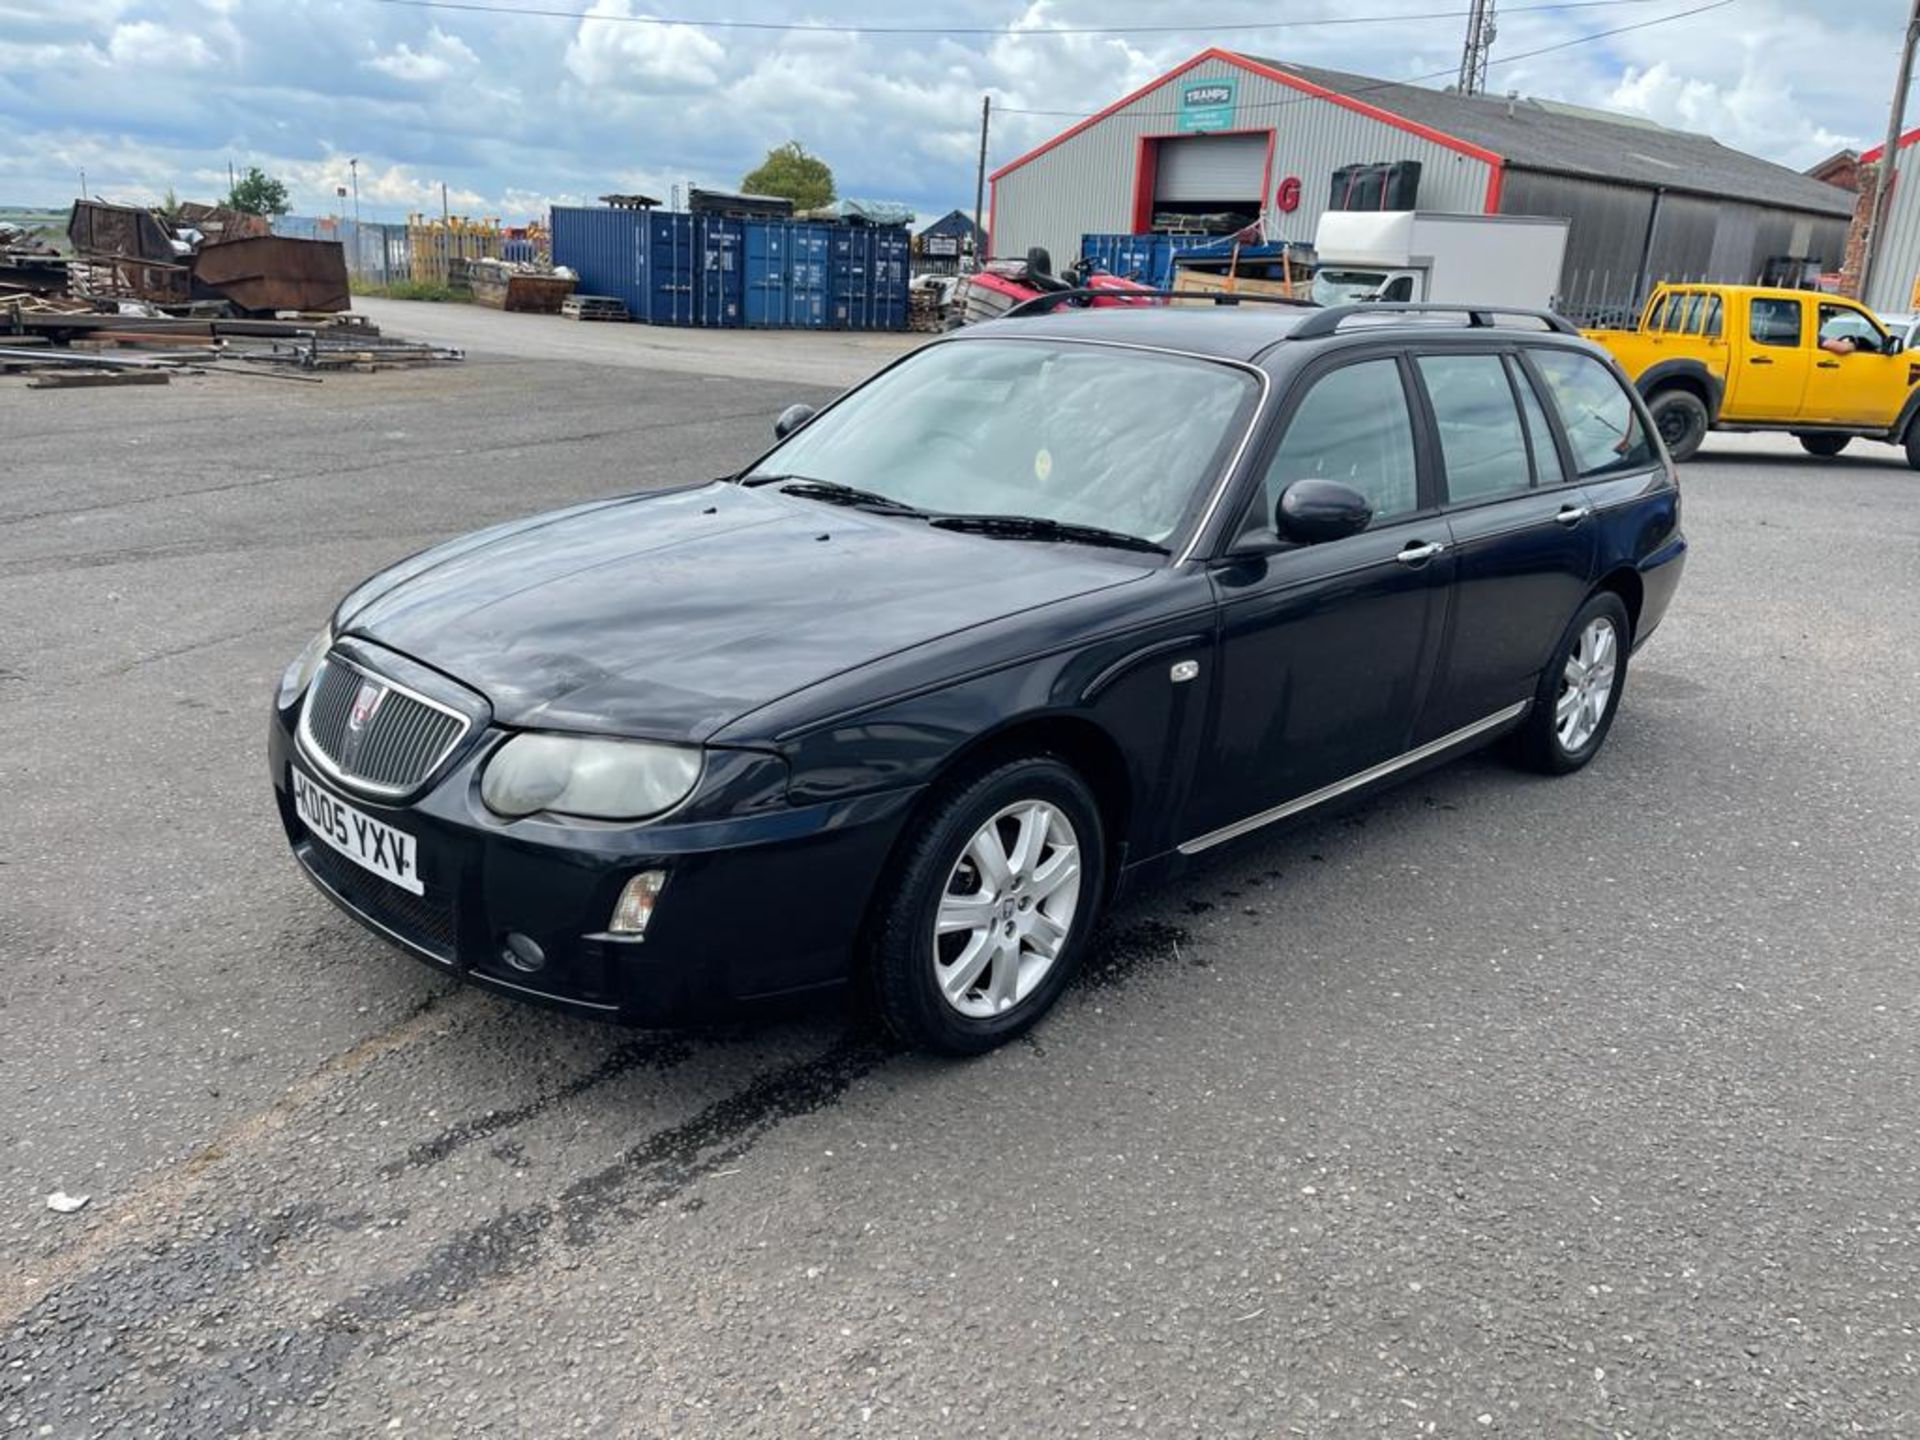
(1603, 429)
(1711, 324)
(1354, 427)
(1774, 321)
(1481, 443)
(1547, 469)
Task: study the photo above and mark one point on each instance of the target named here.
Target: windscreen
(1346, 287)
(1081, 434)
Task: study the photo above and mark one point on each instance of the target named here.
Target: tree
(258, 193)
(791, 172)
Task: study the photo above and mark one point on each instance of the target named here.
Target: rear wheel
(986, 912)
(1579, 691)
(1913, 446)
(1824, 446)
(1681, 418)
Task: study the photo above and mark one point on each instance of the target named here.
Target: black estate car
(1023, 622)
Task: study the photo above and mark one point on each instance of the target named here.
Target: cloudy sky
(514, 111)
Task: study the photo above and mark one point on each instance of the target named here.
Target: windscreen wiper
(834, 493)
(1038, 527)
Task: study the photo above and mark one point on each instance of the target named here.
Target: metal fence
(423, 250)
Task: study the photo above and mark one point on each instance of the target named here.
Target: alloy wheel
(1007, 909)
(1586, 685)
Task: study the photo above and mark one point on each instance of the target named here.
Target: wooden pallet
(594, 307)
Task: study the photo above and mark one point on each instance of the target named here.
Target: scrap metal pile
(202, 289)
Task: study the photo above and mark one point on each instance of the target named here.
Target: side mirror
(791, 419)
(1894, 345)
(1315, 511)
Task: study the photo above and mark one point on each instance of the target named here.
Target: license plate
(387, 852)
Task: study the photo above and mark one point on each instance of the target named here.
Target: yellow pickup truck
(1747, 357)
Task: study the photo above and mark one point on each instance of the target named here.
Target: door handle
(1758, 360)
(1573, 514)
(1419, 552)
(1827, 364)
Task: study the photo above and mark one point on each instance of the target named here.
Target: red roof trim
(1385, 117)
(1294, 82)
(1120, 104)
(1869, 157)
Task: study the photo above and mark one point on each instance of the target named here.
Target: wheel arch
(1078, 741)
(1625, 582)
(1690, 375)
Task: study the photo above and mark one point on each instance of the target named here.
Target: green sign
(1207, 104)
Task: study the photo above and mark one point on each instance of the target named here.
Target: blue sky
(514, 112)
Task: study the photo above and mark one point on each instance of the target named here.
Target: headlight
(299, 675)
(600, 779)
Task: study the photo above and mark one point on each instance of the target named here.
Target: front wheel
(1913, 446)
(986, 912)
(1579, 691)
(1682, 420)
(1825, 446)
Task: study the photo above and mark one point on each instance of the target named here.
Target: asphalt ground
(1496, 1105)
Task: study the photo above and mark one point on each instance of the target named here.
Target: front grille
(420, 919)
(397, 745)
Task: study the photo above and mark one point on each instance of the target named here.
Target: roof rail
(1049, 300)
(1329, 320)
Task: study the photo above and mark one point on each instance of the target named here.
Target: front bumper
(755, 905)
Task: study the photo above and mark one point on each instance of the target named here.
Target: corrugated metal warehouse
(1227, 132)
(1894, 286)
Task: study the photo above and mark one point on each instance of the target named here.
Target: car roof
(1246, 334)
(1223, 332)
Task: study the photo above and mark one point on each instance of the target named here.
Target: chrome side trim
(1353, 782)
(311, 752)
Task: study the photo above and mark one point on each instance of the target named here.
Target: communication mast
(1479, 46)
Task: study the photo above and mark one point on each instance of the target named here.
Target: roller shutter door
(1210, 167)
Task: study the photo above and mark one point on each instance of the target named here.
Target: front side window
(1773, 321)
(1603, 429)
(1353, 427)
(1081, 434)
(1481, 443)
(1843, 328)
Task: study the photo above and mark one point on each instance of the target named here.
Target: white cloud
(144, 43)
(440, 56)
(605, 52)
(1757, 113)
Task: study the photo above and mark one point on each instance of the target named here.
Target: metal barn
(1234, 135)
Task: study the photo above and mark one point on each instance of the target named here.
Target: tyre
(1579, 690)
(1824, 446)
(1681, 418)
(1913, 446)
(987, 908)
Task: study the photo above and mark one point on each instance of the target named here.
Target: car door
(1771, 379)
(1865, 387)
(1326, 651)
(1523, 537)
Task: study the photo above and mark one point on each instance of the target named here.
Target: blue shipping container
(1149, 259)
(786, 274)
(671, 269)
(867, 277)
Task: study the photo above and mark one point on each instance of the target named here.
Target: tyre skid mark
(276, 1371)
(138, 1215)
(659, 1053)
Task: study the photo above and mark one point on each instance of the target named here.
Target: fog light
(523, 952)
(635, 906)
